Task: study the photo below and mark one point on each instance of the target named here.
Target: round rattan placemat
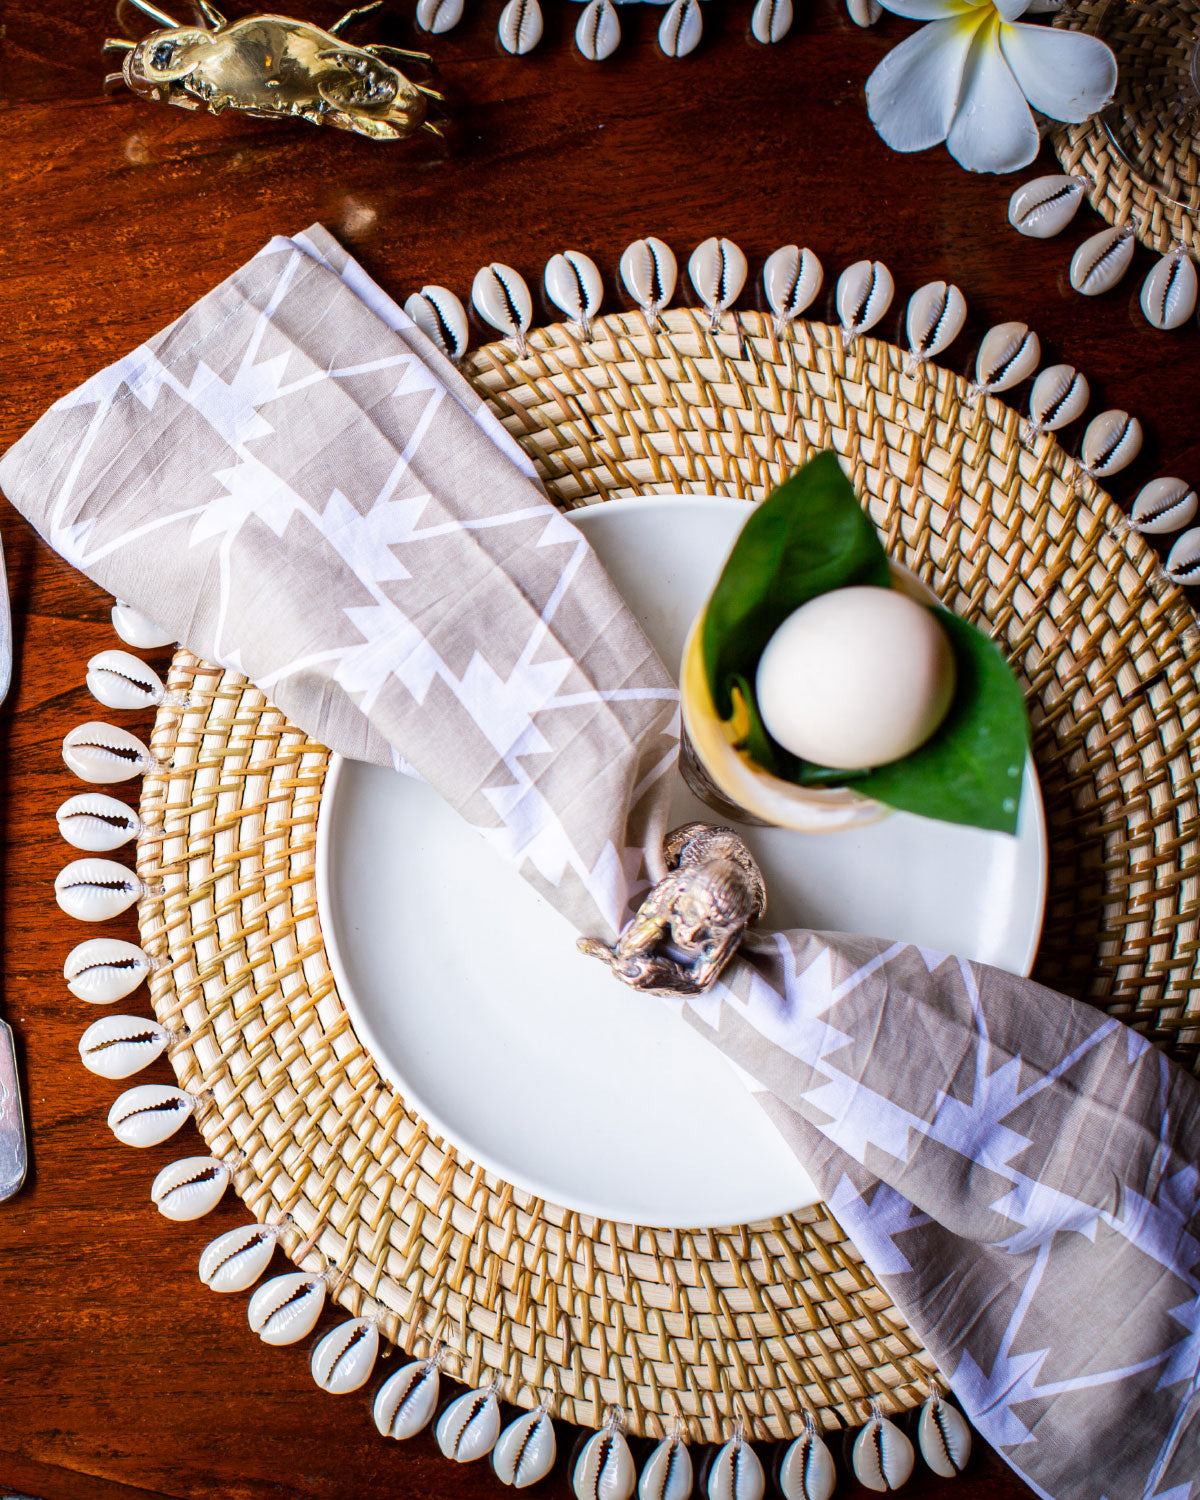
(1153, 42)
(754, 1321)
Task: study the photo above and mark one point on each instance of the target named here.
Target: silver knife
(14, 1152)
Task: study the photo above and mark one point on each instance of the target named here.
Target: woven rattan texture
(1156, 103)
(753, 1321)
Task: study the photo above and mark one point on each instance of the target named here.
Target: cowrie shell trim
(190, 1188)
(137, 629)
(650, 271)
(93, 890)
(598, 30)
(103, 970)
(118, 1046)
(864, 294)
(469, 1427)
(1101, 261)
(104, 753)
(343, 1360)
(234, 1261)
(149, 1114)
(1164, 506)
(286, 1308)
(1111, 443)
(736, 1473)
(668, 1473)
(525, 1451)
(118, 679)
(1008, 354)
(520, 26)
(97, 822)
(441, 317)
(944, 1437)
(1044, 207)
(406, 1401)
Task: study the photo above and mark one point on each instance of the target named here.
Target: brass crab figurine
(689, 924)
(272, 66)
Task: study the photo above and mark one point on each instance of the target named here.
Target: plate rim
(528, 1182)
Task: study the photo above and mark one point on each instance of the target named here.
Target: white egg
(855, 678)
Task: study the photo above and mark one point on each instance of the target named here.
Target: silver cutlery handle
(14, 1154)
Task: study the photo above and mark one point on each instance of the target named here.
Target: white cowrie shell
(882, 1457)
(1111, 442)
(864, 294)
(502, 299)
(149, 1113)
(234, 1261)
(598, 30)
(573, 284)
(103, 753)
(1008, 354)
(526, 1450)
(1183, 560)
(864, 12)
(1044, 207)
(441, 317)
(286, 1308)
(604, 1469)
(736, 1473)
(343, 1360)
(808, 1471)
(935, 318)
(649, 271)
(1058, 396)
(1102, 260)
(406, 1401)
(681, 28)
(791, 279)
(118, 1046)
(137, 630)
(119, 680)
(520, 27)
(667, 1474)
(190, 1188)
(93, 890)
(1164, 506)
(469, 1427)
(103, 970)
(944, 1436)
(96, 822)
(771, 21)
(437, 16)
(718, 270)
(1169, 291)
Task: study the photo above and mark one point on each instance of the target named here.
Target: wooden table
(119, 1372)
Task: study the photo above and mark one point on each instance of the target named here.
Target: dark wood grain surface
(119, 1372)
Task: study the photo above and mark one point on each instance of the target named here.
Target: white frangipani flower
(970, 76)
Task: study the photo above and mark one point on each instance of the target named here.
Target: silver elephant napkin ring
(689, 925)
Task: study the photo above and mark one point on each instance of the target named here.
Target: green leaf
(810, 536)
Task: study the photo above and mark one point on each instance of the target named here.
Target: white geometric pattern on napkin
(219, 445)
(1024, 1184)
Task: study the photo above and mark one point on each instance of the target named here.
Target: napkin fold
(292, 480)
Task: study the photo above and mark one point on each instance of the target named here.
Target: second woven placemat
(1140, 154)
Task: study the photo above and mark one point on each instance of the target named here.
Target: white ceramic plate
(467, 989)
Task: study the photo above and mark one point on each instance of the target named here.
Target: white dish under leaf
(530, 1058)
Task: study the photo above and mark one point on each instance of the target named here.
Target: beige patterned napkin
(295, 483)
